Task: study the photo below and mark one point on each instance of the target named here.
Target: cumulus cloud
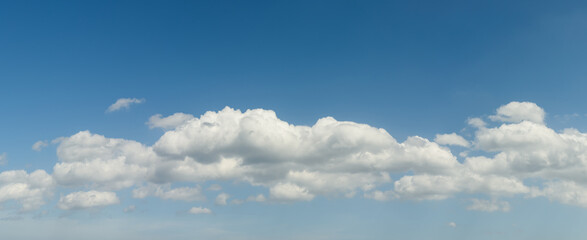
(331, 158)
(170, 122)
(567, 192)
(221, 199)
(29, 190)
(39, 145)
(286, 192)
(476, 122)
(89, 199)
(124, 103)
(488, 205)
(451, 139)
(105, 163)
(514, 112)
(199, 210)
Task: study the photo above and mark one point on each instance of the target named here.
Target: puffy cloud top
(29, 190)
(519, 111)
(330, 158)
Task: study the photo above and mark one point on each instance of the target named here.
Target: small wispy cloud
(124, 103)
(39, 145)
(452, 224)
(2, 158)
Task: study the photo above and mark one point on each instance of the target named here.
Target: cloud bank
(328, 159)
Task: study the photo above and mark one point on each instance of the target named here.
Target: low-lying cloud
(328, 159)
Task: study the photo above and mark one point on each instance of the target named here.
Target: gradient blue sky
(413, 68)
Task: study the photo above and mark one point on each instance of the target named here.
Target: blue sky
(448, 119)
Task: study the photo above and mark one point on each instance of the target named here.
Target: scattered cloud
(39, 145)
(89, 199)
(452, 224)
(286, 192)
(381, 195)
(221, 199)
(199, 210)
(165, 192)
(170, 122)
(515, 112)
(3, 159)
(124, 103)
(331, 158)
(29, 190)
(451, 139)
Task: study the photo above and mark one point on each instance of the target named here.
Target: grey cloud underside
(332, 158)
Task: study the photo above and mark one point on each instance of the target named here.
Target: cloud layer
(330, 158)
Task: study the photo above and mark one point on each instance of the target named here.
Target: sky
(293, 119)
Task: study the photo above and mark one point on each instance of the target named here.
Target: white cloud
(286, 192)
(39, 145)
(221, 199)
(123, 103)
(452, 224)
(332, 158)
(381, 195)
(476, 122)
(170, 122)
(166, 192)
(200, 210)
(488, 205)
(566, 192)
(515, 112)
(29, 190)
(451, 139)
(106, 163)
(89, 199)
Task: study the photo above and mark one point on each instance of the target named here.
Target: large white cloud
(107, 163)
(29, 190)
(332, 158)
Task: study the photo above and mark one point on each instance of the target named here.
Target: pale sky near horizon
(293, 119)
